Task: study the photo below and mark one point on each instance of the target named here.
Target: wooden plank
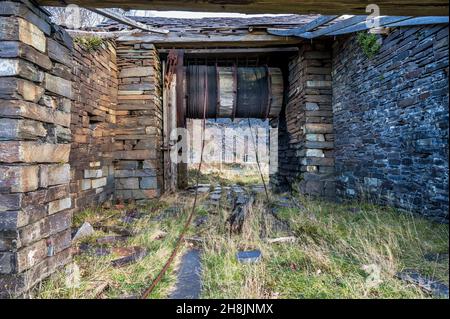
(172, 39)
(420, 21)
(363, 25)
(391, 7)
(307, 27)
(335, 27)
(127, 21)
(235, 50)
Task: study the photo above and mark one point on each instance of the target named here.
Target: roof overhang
(387, 7)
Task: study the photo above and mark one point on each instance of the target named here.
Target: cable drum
(234, 92)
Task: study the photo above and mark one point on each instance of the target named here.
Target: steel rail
(155, 282)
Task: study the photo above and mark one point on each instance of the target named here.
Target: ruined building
(79, 126)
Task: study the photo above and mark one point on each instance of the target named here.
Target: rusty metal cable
(257, 159)
(155, 282)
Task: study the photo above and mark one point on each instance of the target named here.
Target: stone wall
(305, 129)
(93, 123)
(138, 136)
(391, 120)
(35, 103)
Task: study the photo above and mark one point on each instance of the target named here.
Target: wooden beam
(382, 21)
(334, 27)
(194, 40)
(101, 34)
(326, 7)
(419, 21)
(235, 50)
(307, 27)
(127, 21)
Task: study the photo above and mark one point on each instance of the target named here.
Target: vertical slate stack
(305, 128)
(391, 120)
(35, 103)
(93, 124)
(138, 136)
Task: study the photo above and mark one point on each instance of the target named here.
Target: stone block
(33, 152)
(17, 108)
(315, 137)
(314, 128)
(93, 173)
(59, 53)
(18, 29)
(318, 84)
(13, 129)
(58, 174)
(311, 106)
(20, 68)
(17, 179)
(14, 88)
(149, 183)
(29, 256)
(314, 153)
(99, 182)
(58, 85)
(7, 262)
(135, 72)
(14, 49)
(86, 184)
(127, 183)
(59, 205)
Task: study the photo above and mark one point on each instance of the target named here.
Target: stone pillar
(35, 102)
(305, 127)
(138, 137)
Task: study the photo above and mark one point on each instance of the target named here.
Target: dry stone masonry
(35, 104)
(81, 126)
(95, 83)
(391, 120)
(138, 135)
(305, 129)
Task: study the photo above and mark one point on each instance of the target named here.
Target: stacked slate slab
(305, 127)
(93, 122)
(35, 103)
(138, 134)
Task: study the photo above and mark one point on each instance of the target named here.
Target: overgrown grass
(339, 249)
(229, 175)
(158, 237)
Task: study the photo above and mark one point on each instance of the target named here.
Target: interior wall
(138, 134)
(35, 103)
(95, 86)
(391, 120)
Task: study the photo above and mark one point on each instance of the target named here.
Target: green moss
(89, 43)
(369, 44)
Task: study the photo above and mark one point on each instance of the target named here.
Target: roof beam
(307, 27)
(190, 40)
(127, 21)
(235, 50)
(420, 21)
(326, 7)
(334, 27)
(382, 21)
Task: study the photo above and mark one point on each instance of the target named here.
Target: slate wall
(138, 135)
(391, 120)
(305, 125)
(35, 103)
(95, 86)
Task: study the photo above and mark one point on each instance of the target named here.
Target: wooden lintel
(188, 41)
(235, 50)
(127, 21)
(326, 7)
